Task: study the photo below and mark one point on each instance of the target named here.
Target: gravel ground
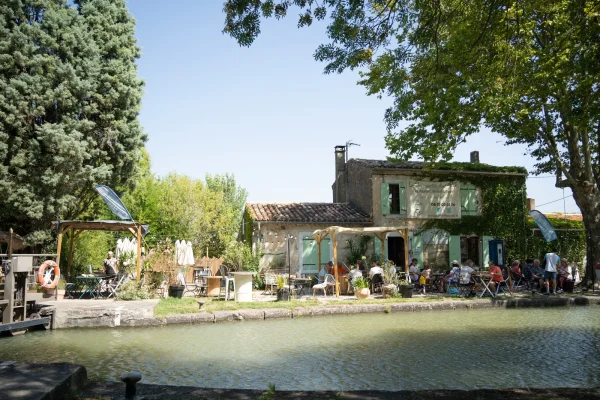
(116, 390)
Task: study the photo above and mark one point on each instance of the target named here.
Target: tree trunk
(588, 200)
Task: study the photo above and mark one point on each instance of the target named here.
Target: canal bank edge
(141, 313)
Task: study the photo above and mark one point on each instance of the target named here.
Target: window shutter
(454, 247)
(417, 244)
(402, 186)
(468, 199)
(485, 244)
(385, 199)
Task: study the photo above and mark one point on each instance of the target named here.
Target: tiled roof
(330, 213)
(559, 215)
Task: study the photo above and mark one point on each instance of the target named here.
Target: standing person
(552, 260)
(110, 264)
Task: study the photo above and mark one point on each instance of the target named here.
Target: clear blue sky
(266, 113)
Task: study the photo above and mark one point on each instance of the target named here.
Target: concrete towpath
(27, 381)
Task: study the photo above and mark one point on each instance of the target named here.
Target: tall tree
(527, 70)
(58, 132)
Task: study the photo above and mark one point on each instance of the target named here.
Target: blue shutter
(385, 199)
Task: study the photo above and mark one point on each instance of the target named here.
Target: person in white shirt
(552, 260)
(413, 271)
(375, 269)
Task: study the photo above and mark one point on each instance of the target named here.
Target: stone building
(380, 194)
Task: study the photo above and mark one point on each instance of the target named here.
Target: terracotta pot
(362, 293)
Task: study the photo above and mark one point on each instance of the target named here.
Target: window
(393, 198)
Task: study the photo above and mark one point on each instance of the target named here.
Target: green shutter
(402, 194)
(385, 199)
(468, 199)
(485, 243)
(417, 243)
(454, 247)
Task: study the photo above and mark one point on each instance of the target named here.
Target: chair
(226, 283)
(270, 283)
(193, 288)
(464, 283)
(376, 283)
(329, 281)
(113, 285)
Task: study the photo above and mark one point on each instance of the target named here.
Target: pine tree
(54, 125)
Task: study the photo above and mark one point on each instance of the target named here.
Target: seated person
(375, 269)
(324, 271)
(413, 271)
(465, 278)
(516, 269)
(451, 277)
(496, 274)
(340, 269)
(110, 265)
(537, 273)
(426, 273)
(565, 274)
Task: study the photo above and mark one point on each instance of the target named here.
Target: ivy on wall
(504, 213)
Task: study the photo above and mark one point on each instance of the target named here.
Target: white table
(243, 286)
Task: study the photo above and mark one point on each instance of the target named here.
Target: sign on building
(428, 199)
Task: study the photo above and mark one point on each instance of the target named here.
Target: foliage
(162, 260)
(390, 277)
(526, 70)
(357, 249)
(91, 247)
(131, 290)
(360, 283)
(280, 280)
(186, 208)
(127, 262)
(68, 109)
(239, 256)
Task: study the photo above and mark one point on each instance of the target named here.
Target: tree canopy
(527, 70)
(69, 101)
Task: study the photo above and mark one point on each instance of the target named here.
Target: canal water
(399, 351)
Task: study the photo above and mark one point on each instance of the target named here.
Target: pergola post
(405, 234)
(319, 255)
(70, 254)
(335, 263)
(58, 249)
(138, 262)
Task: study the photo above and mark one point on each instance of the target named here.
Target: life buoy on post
(44, 277)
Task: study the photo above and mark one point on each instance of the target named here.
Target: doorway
(396, 250)
(469, 249)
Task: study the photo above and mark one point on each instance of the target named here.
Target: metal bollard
(131, 379)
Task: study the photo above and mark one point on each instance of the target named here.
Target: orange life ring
(41, 279)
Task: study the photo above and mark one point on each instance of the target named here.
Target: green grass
(171, 305)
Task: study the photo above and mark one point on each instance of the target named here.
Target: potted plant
(163, 262)
(406, 288)
(390, 280)
(361, 288)
(282, 293)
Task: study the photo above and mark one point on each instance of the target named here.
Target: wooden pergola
(379, 232)
(74, 228)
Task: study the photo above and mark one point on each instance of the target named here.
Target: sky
(268, 114)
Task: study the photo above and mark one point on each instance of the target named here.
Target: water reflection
(403, 351)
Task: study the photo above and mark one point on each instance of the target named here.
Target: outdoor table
(243, 286)
(213, 285)
(484, 280)
(90, 284)
(299, 284)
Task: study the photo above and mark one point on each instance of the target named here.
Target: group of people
(552, 277)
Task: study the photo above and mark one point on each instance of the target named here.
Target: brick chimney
(339, 187)
(475, 157)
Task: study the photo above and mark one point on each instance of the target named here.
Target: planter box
(406, 290)
(283, 295)
(176, 291)
(362, 294)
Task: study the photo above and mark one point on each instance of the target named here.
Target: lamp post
(288, 237)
